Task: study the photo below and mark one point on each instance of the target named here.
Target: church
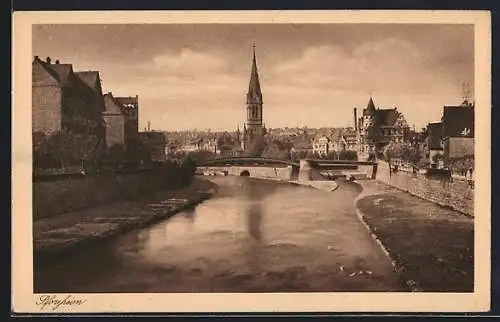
(253, 128)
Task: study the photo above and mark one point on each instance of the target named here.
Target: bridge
(305, 169)
(232, 161)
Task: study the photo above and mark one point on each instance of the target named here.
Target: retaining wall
(55, 197)
(456, 194)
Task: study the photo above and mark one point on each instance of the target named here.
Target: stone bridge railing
(305, 170)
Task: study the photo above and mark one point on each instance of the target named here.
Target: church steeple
(253, 126)
(254, 94)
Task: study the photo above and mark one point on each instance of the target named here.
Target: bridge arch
(245, 173)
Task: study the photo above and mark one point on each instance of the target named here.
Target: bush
(424, 163)
(63, 149)
(201, 156)
(348, 155)
(172, 175)
(255, 147)
(187, 169)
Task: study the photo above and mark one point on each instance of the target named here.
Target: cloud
(390, 65)
(189, 62)
(315, 80)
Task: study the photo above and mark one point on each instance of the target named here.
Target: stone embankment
(455, 194)
(58, 235)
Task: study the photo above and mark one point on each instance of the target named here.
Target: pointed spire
(370, 108)
(254, 94)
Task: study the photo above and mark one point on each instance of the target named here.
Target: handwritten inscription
(54, 302)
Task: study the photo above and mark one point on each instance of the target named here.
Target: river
(252, 236)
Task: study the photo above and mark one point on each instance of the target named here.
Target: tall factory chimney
(355, 119)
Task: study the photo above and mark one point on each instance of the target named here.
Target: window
(43, 100)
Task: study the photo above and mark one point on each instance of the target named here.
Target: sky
(195, 76)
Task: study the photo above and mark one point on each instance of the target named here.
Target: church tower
(254, 101)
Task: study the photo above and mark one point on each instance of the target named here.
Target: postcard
(251, 161)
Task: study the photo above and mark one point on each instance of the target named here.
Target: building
(458, 131)
(208, 144)
(115, 121)
(129, 107)
(155, 143)
(190, 146)
(64, 100)
(433, 143)
(335, 137)
(321, 146)
(379, 127)
(350, 138)
(254, 125)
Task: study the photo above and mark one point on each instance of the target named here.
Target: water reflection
(254, 220)
(253, 208)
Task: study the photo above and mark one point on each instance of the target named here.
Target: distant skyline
(196, 76)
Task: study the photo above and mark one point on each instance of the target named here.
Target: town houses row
(452, 138)
(67, 100)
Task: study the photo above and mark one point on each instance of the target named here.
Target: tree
(188, 168)
(332, 155)
(402, 151)
(348, 155)
(423, 163)
(436, 158)
(116, 153)
(310, 154)
(255, 147)
(276, 150)
(137, 151)
(201, 155)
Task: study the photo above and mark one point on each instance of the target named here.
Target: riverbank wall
(60, 235)
(70, 193)
(455, 194)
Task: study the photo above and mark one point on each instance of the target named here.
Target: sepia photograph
(261, 157)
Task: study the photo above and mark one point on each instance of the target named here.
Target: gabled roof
(89, 77)
(111, 106)
(458, 121)
(386, 117)
(63, 71)
(60, 72)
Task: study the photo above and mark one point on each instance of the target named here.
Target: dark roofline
(47, 68)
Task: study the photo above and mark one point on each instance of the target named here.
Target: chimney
(37, 58)
(58, 62)
(48, 60)
(355, 119)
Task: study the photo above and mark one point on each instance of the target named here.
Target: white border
(25, 301)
